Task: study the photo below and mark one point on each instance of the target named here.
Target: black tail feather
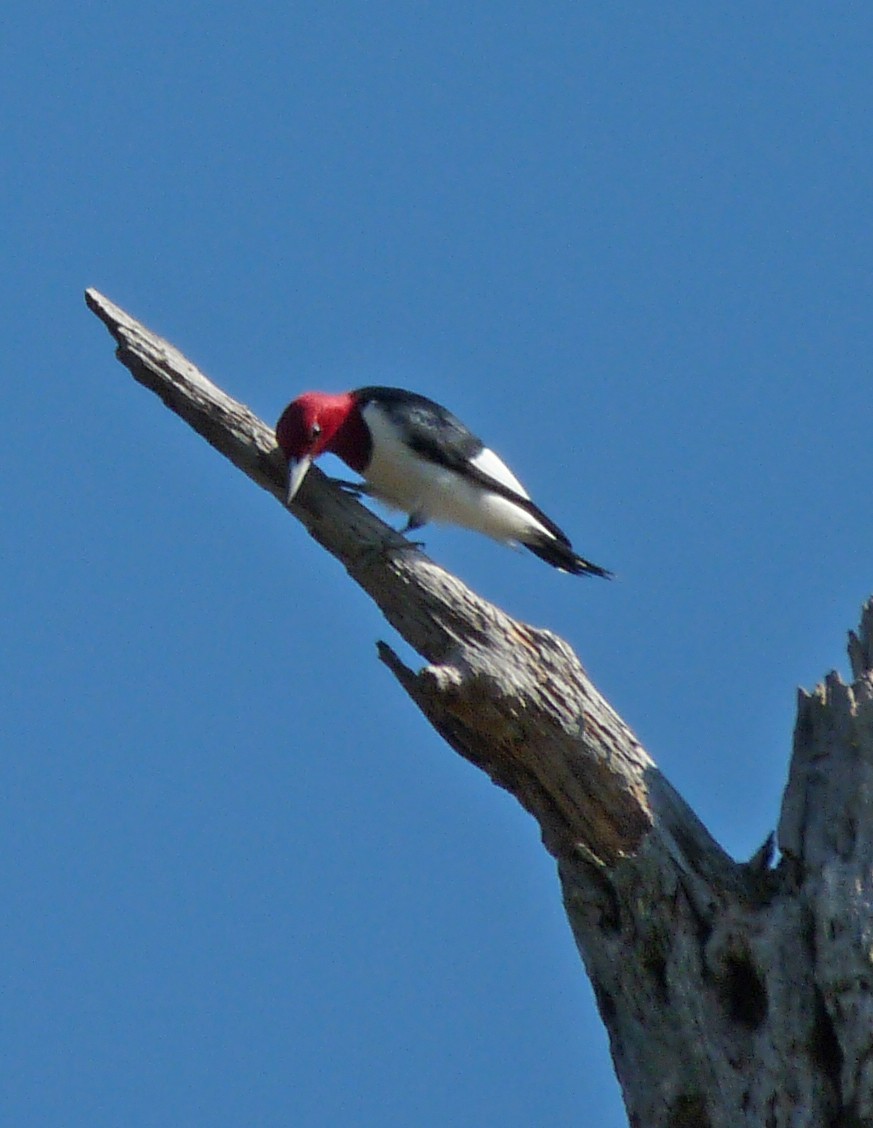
(562, 556)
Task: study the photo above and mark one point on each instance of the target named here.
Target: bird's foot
(416, 521)
(401, 543)
(385, 550)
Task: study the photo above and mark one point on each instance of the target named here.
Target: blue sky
(631, 245)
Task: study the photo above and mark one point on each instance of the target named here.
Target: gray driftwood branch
(733, 994)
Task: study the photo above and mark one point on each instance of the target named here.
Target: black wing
(430, 429)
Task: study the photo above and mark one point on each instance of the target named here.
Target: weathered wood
(733, 995)
(562, 750)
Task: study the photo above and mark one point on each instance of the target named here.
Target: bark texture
(733, 994)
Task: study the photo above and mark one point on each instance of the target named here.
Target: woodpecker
(415, 456)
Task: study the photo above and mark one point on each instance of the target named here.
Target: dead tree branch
(733, 995)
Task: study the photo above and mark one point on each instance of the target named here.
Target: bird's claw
(384, 550)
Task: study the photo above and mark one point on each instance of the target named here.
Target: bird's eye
(314, 431)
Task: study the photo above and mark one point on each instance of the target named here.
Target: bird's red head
(317, 422)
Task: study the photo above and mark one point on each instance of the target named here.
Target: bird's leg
(387, 549)
(416, 521)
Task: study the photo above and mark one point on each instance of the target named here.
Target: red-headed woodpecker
(416, 456)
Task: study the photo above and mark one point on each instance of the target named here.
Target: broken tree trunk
(733, 994)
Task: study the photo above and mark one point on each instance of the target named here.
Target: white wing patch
(489, 463)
